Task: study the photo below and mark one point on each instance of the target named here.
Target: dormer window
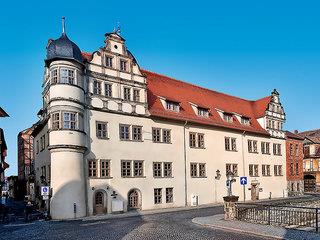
(245, 121)
(123, 65)
(173, 106)
(203, 112)
(227, 117)
(108, 61)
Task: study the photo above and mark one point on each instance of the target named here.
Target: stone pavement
(273, 232)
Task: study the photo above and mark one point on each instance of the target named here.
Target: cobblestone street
(173, 225)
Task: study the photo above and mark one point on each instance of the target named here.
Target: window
(227, 117)
(265, 148)
(230, 144)
(291, 149)
(136, 95)
(233, 168)
(55, 121)
(96, 87)
(126, 94)
(123, 65)
(291, 169)
(108, 61)
(297, 150)
(203, 112)
(156, 134)
(266, 170)
(253, 170)
(108, 90)
(169, 195)
(92, 168)
(66, 75)
(173, 106)
(245, 121)
(166, 136)
(69, 120)
(138, 168)
(37, 146)
(196, 140)
(297, 168)
(252, 146)
(105, 168)
(54, 75)
(277, 149)
(278, 170)
(101, 128)
(125, 132)
(126, 168)
(194, 167)
(167, 169)
(157, 195)
(136, 133)
(157, 169)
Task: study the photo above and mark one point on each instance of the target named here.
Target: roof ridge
(207, 89)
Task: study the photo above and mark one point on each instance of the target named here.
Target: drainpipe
(243, 165)
(185, 163)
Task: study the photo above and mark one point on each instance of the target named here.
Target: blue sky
(243, 48)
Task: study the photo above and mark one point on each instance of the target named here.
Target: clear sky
(243, 48)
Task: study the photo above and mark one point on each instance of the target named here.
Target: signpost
(45, 191)
(244, 181)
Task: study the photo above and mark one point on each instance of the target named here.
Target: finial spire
(118, 28)
(63, 26)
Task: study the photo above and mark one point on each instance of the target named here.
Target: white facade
(84, 107)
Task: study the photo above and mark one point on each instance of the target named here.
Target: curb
(236, 230)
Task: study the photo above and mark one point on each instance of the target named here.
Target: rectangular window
(233, 144)
(265, 170)
(123, 65)
(166, 135)
(167, 169)
(157, 195)
(200, 140)
(227, 144)
(297, 168)
(125, 132)
(297, 150)
(265, 148)
(253, 170)
(108, 61)
(157, 169)
(126, 168)
(136, 95)
(277, 149)
(55, 120)
(156, 134)
(192, 140)
(202, 170)
(193, 170)
(97, 87)
(252, 146)
(126, 94)
(54, 76)
(233, 168)
(92, 168)
(69, 120)
(138, 169)
(291, 149)
(66, 76)
(227, 117)
(169, 195)
(108, 90)
(173, 106)
(203, 112)
(136, 133)
(245, 121)
(37, 146)
(278, 170)
(105, 168)
(196, 140)
(102, 130)
(291, 169)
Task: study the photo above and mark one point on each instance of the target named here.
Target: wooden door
(133, 199)
(254, 192)
(99, 203)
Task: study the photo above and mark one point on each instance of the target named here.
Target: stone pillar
(230, 207)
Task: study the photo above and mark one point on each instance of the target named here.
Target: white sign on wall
(45, 190)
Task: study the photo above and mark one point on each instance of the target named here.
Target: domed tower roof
(63, 48)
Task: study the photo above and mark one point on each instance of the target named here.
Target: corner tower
(64, 105)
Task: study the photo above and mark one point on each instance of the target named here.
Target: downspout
(243, 165)
(185, 163)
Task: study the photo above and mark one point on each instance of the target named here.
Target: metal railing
(287, 216)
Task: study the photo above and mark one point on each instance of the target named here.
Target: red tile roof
(184, 93)
(86, 56)
(293, 136)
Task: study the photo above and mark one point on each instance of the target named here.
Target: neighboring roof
(63, 48)
(3, 113)
(313, 135)
(184, 93)
(86, 56)
(38, 126)
(293, 135)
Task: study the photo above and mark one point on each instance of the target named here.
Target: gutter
(185, 163)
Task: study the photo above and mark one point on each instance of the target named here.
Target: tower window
(96, 87)
(108, 61)
(123, 65)
(55, 120)
(54, 75)
(136, 95)
(126, 94)
(69, 120)
(67, 76)
(108, 90)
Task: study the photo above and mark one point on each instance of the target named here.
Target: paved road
(174, 225)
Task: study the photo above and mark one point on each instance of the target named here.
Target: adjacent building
(294, 154)
(113, 137)
(3, 152)
(25, 162)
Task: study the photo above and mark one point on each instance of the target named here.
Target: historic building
(3, 152)
(311, 161)
(25, 162)
(294, 154)
(114, 137)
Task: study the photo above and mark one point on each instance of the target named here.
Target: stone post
(230, 207)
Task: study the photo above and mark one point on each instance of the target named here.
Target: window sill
(102, 138)
(100, 177)
(163, 142)
(197, 147)
(253, 152)
(133, 177)
(162, 177)
(266, 153)
(130, 140)
(199, 177)
(231, 150)
(266, 176)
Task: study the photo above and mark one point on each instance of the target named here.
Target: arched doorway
(99, 203)
(309, 183)
(134, 199)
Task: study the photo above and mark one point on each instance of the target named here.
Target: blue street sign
(243, 180)
(45, 190)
